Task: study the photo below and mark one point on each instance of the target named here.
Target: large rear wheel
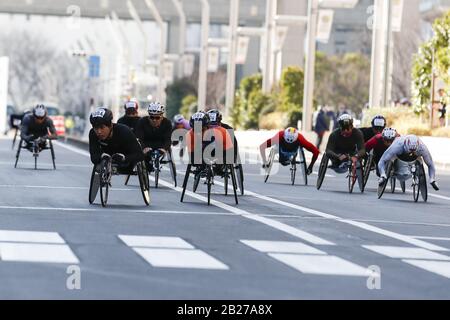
(423, 183)
(144, 182)
(94, 186)
(271, 160)
(322, 171)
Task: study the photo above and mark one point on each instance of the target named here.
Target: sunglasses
(155, 118)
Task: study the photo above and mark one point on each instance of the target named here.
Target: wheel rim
(94, 186)
(322, 172)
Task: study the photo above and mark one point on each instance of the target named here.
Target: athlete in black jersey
(131, 117)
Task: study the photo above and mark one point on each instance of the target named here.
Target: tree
(176, 92)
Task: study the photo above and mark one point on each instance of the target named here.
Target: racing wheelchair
(208, 171)
(419, 180)
(354, 173)
(293, 165)
(36, 146)
(101, 180)
(370, 165)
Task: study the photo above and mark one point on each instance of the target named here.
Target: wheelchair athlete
(403, 150)
(286, 143)
(131, 117)
(113, 141)
(344, 142)
(205, 142)
(37, 127)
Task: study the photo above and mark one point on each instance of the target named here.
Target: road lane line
(32, 252)
(441, 268)
(406, 252)
(155, 242)
(431, 238)
(30, 236)
(281, 247)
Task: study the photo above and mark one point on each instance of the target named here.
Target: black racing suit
(121, 141)
(130, 122)
(31, 130)
(338, 145)
(236, 150)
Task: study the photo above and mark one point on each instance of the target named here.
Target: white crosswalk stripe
(307, 259)
(171, 252)
(32, 246)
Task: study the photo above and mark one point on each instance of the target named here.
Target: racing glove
(118, 157)
(382, 180)
(434, 185)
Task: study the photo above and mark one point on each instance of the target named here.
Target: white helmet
(411, 144)
(40, 111)
(156, 108)
(290, 135)
(389, 134)
(178, 118)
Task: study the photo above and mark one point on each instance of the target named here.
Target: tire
(53, 154)
(382, 188)
(185, 181)
(293, 172)
(35, 162)
(143, 182)
(322, 171)
(271, 159)
(173, 172)
(360, 178)
(367, 168)
(423, 183)
(156, 173)
(351, 179)
(240, 178)
(209, 184)
(393, 184)
(196, 182)
(233, 180)
(225, 180)
(94, 185)
(104, 190)
(18, 153)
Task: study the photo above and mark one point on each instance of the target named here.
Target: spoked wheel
(322, 171)
(240, 177)
(144, 182)
(360, 178)
(293, 171)
(415, 188)
(105, 178)
(423, 183)
(382, 188)
(351, 178)
(271, 159)
(185, 181)
(303, 168)
(94, 186)
(393, 184)
(367, 169)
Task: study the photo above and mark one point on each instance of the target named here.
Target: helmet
(200, 116)
(389, 134)
(178, 118)
(290, 135)
(131, 105)
(345, 121)
(101, 116)
(40, 111)
(215, 116)
(379, 122)
(411, 143)
(156, 108)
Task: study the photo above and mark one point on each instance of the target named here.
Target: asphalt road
(280, 242)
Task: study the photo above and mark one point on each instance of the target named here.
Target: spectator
(443, 107)
(321, 127)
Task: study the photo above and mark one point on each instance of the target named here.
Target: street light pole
(231, 66)
(182, 35)
(308, 92)
(203, 70)
(271, 11)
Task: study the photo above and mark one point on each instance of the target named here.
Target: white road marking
(431, 238)
(44, 165)
(441, 268)
(407, 253)
(73, 149)
(30, 236)
(281, 247)
(32, 252)
(180, 258)
(155, 242)
(323, 265)
(59, 187)
(361, 225)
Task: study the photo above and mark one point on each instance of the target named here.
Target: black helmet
(40, 111)
(200, 116)
(379, 123)
(215, 116)
(345, 121)
(101, 116)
